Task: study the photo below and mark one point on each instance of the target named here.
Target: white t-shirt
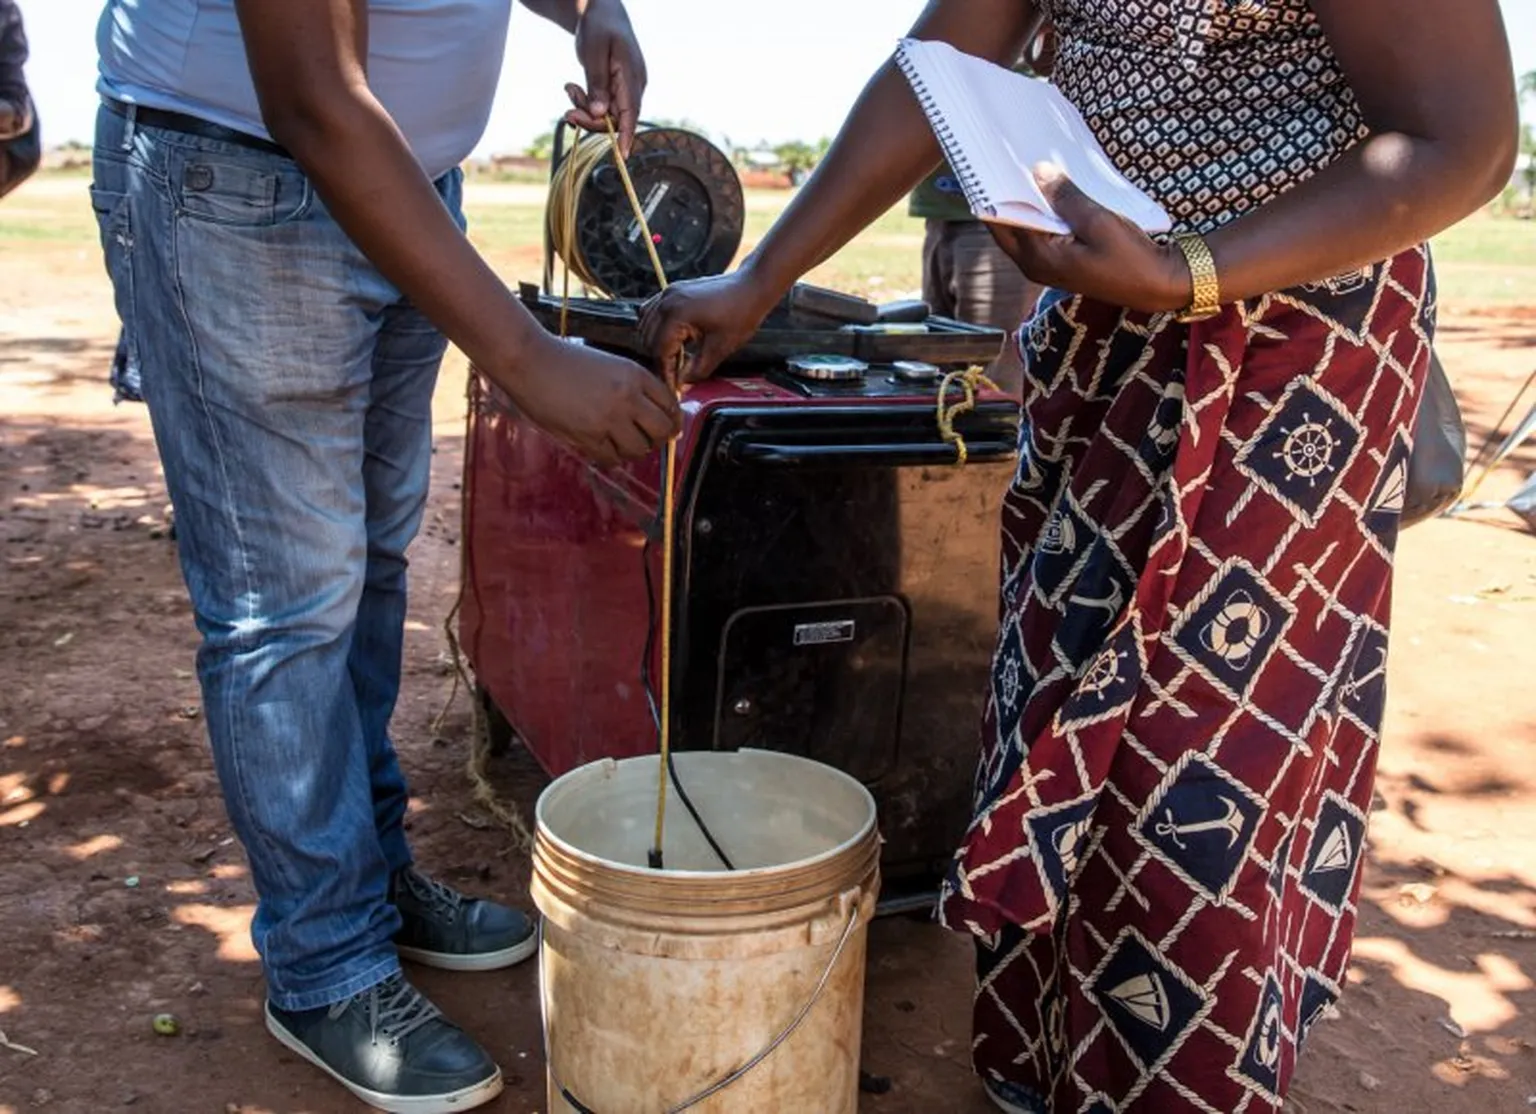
(432, 63)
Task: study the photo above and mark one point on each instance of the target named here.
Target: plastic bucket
(696, 987)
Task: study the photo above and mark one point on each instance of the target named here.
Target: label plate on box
(824, 634)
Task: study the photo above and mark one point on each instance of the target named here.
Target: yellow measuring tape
(564, 201)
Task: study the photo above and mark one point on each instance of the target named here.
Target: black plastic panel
(860, 519)
(823, 681)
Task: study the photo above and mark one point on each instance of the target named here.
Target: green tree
(1528, 137)
(1528, 153)
(542, 147)
(797, 156)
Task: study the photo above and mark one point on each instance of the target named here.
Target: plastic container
(696, 987)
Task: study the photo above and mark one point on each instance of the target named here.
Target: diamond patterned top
(1212, 106)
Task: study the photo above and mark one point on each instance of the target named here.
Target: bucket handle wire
(851, 897)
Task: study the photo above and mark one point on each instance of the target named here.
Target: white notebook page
(996, 125)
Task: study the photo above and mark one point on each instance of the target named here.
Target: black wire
(652, 614)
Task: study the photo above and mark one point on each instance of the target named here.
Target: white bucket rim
(594, 769)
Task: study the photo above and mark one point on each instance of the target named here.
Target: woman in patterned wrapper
(1181, 733)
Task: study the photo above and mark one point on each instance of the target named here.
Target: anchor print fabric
(1181, 737)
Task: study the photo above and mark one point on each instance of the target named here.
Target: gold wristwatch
(1206, 302)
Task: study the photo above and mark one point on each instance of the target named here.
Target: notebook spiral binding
(958, 161)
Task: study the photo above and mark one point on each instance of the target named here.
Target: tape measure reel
(688, 189)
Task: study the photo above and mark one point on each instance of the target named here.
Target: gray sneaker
(393, 1049)
(443, 928)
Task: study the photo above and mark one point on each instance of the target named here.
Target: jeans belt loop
(130, 117)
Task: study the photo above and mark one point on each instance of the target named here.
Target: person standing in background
(21, 148)
(966, 275)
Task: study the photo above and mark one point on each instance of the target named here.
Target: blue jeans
(290, 388)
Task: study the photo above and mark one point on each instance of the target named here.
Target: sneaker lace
(396, 1009)
(441, 899)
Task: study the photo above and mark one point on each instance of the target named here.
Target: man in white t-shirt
(277, 187)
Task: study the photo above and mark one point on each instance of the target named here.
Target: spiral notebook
(995, 126)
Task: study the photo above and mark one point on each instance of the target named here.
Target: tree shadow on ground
(124, 894)
(56, 367)
(1509, 333)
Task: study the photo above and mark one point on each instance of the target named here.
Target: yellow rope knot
(969, 381)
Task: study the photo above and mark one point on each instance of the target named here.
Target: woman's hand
(1105, 257)
(697, 325)
(610, 54)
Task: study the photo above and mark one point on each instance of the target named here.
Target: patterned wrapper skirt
(1181, 736)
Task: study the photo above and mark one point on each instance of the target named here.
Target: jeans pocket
(114, 219)
(254, 192)
(107, 205)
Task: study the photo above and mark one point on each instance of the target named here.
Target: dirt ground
(123, 896)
